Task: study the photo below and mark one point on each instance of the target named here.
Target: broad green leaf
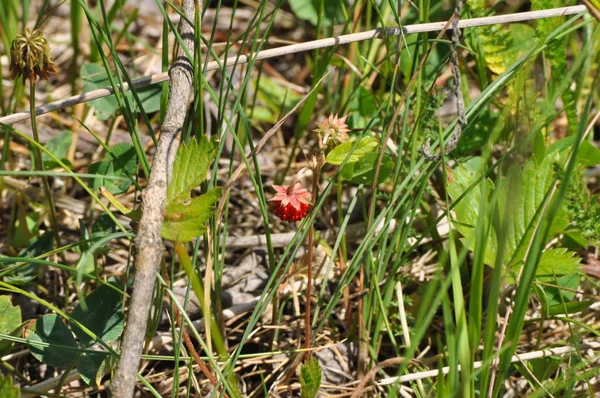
(121, 162)
(308, 10)
(92, 366)
(363, 171)
(7, 389)
(525, 201)
(467, 209)
(305, 10)
(62, 349)
(564, 291)
(571, 308)
(10, 322)
(59, 146)
(104, 225)
(310, 378)
(186, 219)
(26, 227)
(103, 316)
(588, 155)
(365, 103)
(94, 77)
(27, 272)
(275, 100)
(341, 152)
(542, 368)
(87, 262)
(190, 168)
(558, 261)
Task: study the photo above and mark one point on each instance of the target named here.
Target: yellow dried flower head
(334, 130)
(30, 56)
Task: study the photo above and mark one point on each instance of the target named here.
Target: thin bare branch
(301, 47)
(148, 242)
(548, 352)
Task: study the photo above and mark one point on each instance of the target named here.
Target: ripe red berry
(291, 203)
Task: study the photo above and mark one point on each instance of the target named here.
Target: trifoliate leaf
(92, 366)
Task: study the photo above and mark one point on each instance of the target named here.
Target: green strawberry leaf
(190, 167)
(529, 188)
(342, 151)
(558, 261)
(186, 219)
(310, 378)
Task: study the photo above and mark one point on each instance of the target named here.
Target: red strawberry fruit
(291, 203)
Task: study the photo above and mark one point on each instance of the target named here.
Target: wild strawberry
(291, 203)
(333, 130)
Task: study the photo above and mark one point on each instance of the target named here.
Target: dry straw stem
(559, 351)
(149, 242)
(301, 47)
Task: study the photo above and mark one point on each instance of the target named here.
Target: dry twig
(149, 242)
(301, 47)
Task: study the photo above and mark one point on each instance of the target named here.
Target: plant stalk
(39, 166)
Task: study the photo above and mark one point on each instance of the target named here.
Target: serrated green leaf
(467, 209)
(62, 349)
(10, 321)
(558, 261)
(186, 219)
(363, 171)
(7, 389)
(190, 167)
(59, 146)
(341, 152)
(310, 378)
(103, 316)
(529, 188)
